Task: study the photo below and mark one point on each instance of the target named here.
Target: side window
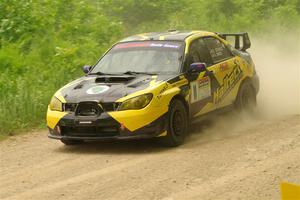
(194, 53)
(217, 50)
(203, 52)
(198, 52)
(192, 56)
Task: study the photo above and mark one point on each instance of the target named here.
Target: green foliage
(238, 15)
(44, 43)
(43, 46)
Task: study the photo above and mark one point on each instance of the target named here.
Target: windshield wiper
(134, 73)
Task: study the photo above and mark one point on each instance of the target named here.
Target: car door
(225, 69)
(203, 84)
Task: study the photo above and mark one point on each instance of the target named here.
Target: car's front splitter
(101, 138)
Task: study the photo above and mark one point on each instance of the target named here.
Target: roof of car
(169, 35)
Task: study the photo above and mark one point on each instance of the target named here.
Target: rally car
(153, 85)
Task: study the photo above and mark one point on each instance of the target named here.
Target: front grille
(93, 131)
(70, 107)
(88, 109)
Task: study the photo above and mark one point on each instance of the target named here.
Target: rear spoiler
(246, 44)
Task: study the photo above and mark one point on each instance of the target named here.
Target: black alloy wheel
(177, 124)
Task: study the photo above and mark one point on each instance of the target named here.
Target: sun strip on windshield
(146, 44)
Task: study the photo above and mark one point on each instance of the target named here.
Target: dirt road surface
(222, 159)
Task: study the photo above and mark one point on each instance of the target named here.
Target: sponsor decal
(224, 66)
(200, 89)
(97, 89)
(164, 45)
(162, 91)
(146, 44)
(229, 82)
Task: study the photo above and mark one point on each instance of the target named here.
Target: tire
(177, 124)
(71, 142)
(246, 98)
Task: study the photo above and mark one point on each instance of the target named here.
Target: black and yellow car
(154, 85)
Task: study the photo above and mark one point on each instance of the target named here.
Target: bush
(43, 46)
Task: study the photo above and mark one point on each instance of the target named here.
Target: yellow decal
(161, 37)
(162, 91)
(180, 83)
(290, 191)
(153, 81)
(229, 82)
(53, 117)
(61, 98)
(207, 108)
(143, 36)
(162, 134)
(135, 119)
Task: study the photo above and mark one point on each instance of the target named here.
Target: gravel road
(222, 159)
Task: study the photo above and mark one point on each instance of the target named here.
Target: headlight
(136, 103)
(55, 104)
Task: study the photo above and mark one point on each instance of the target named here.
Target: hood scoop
(139, 83)
(114, 79)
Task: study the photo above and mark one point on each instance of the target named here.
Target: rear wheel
(177, 124)
(246, 98)
(71, 142)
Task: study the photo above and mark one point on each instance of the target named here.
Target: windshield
(142, 57)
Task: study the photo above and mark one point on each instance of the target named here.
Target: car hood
(108, 88)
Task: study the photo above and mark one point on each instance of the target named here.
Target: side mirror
(197, 67)
(86, 69)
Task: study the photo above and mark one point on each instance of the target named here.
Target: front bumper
(103, 127)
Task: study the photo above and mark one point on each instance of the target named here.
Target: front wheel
(177, 124)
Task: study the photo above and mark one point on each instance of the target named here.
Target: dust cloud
(277, 61)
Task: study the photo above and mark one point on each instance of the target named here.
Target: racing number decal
(200, 89)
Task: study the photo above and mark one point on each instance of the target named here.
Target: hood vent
(114, 79)
(80, 85)
(139, 83)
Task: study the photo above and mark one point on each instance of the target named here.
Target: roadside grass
(27, 84)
